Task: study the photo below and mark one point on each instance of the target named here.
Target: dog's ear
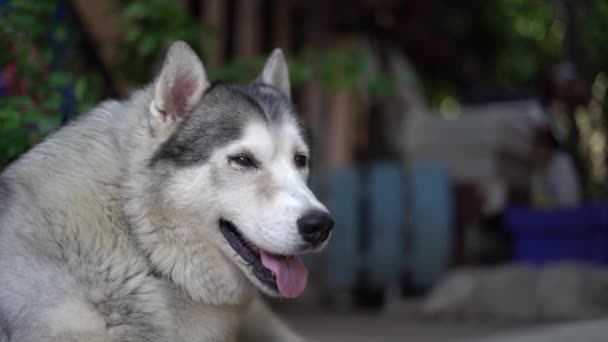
(180, 85)
(276, 73)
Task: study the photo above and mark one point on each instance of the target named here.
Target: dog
(164, 216)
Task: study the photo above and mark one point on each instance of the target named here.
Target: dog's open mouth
(285, 274)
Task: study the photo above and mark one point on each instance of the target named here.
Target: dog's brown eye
(301, 160)
(243, 160)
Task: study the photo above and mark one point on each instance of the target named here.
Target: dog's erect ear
(276, 73)
(180, 85)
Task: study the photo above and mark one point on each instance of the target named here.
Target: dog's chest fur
(112, 282)
(134, 299)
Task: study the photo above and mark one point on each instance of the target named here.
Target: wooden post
(102, 26)
(248, 28)
(214, 16)
(282, 30)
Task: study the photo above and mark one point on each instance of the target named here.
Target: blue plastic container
(541, 237)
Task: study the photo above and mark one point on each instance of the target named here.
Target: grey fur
(276, 73)
(91, 246)
(5, 194)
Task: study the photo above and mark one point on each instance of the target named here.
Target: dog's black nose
(315, 226)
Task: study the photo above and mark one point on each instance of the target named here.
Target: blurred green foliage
(26, 34)
(593, 36)
(505, 45)
(500, 45)
(529, 36)
(510, 41)
(151, 25)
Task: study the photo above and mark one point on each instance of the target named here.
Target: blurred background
(461, 146)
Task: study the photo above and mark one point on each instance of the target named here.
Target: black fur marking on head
(276, 106)
(220, 119)
(213, 85)
(307, 136)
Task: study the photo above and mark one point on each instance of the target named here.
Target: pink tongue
(291, 273)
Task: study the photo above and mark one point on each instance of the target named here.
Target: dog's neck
(176, 253)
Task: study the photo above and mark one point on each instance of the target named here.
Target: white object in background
(486, 145)
(557, 183)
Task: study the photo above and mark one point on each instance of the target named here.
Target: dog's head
(232, 166)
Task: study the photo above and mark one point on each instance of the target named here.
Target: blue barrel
(431, 223)
(344, 259)
(385, 256)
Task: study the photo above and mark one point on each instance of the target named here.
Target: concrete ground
(589, 331)
(366, 327)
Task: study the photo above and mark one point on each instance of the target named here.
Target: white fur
(74, 316)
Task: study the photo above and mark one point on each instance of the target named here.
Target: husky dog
(157, 218)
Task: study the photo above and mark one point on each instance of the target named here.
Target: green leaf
(137, 10)
(80, 89)
(59, 78)
(147, 46)
(134, 34)
(61, 33)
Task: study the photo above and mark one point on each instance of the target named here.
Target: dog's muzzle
(285, 274)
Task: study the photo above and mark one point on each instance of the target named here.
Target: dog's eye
(243, 160)
(301, 161)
